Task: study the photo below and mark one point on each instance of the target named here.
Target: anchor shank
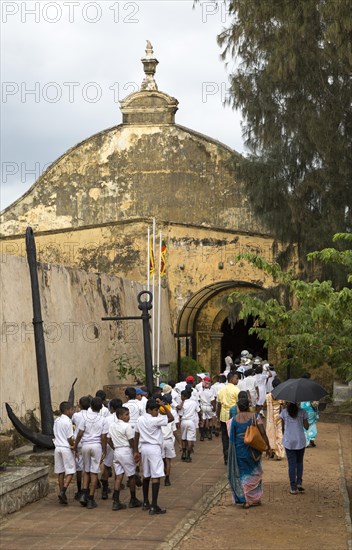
(47, 419)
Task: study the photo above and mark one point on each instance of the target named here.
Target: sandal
(246, 505)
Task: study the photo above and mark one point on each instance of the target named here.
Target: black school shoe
(62, 498)
(156, 510)
(116, 505)
(83, 499)
(134, 503)
(91, 504)
(145, 506)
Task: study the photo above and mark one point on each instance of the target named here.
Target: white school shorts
(168, 450)
(123, 461)
(92, 457)
(64, 461)
(207, 412)
(108, 460)
(188, 430)
(79, 460)
(152, 461)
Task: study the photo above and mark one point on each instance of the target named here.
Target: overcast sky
(65, 66)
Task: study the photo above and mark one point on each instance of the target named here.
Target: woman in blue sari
(244, 467)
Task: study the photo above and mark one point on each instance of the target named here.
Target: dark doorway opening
(238, 339)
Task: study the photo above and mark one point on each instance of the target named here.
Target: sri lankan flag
(151, 258)
(163, 250)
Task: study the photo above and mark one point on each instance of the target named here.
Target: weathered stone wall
(132, 171)
(197, 256)
(78, 343)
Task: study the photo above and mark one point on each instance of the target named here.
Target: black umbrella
(295, 390)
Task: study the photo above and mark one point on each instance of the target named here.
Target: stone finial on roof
(149, 64)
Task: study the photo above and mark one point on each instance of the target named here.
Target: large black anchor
(43, 440)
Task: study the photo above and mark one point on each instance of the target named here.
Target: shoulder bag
(253, 438)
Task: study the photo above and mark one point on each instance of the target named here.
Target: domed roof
(146, 166)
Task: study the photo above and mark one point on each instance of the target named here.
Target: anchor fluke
(40, 440)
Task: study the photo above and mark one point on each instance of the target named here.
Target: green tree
(315, 326)
(292, 81)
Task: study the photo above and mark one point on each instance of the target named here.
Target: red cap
(189, 379)
(206, 379)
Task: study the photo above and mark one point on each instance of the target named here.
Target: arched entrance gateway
(204, 331)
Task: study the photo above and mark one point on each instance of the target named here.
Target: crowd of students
(138, 436)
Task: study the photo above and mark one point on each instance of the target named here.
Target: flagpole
(159, 313)
(153, 286)
(148, 259)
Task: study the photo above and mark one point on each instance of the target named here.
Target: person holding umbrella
(296, 390)
(294, 441)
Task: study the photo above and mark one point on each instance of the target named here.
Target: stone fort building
(91, 209)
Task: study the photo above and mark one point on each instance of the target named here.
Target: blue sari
(244, 466)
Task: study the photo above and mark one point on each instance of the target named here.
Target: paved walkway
(46, 525)
(317, 520)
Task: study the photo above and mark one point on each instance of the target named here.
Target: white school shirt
(261, 380)
(189, 410)
(269, 382)
(228, 363)
(111, 419)
(133, 405)
(175, 396)
(94, 425)
(149, 428)
(143, 404)
(63, 430)
(206, 396)
(104, 411)
(180, 386)
(242, 384)
(195, 395)
(251, 384)
(120, 433)
(217, 386)
(77, 418)
(168, 430)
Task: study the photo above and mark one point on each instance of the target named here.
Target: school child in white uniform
(104, 411)
(93, 433)
(77, 418)
(108, 460)
(261, 377)
(133, 405)
(125, 453)
(168, 451)
(149, 436)
(188, 410)
(251, 387)
(141, 396)
(64, 457)
(207, 400)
